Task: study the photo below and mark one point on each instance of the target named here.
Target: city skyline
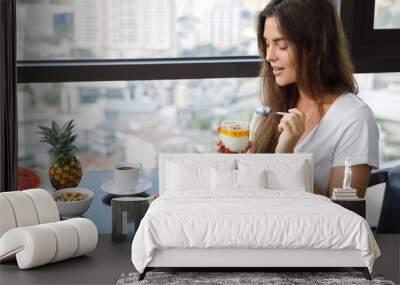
(136, 28)
(135, 121)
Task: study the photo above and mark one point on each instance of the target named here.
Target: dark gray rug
(228, 278)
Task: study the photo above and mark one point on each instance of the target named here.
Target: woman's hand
(219, 147)
(291, 128)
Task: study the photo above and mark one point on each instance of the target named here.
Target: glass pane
(112, 29)
(131, 121)
(387, 14)
(135, 121)
(381, 92)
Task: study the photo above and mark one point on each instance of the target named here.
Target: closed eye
(282, 45)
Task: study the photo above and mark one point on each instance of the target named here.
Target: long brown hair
(322, 61)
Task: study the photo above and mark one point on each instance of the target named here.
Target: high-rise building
(43, 30)
(89, 27)
(125, 28)
(221, 24)
(156, 24)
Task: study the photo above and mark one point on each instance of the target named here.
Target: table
(100, 209)
(356, 205)
(121, 207)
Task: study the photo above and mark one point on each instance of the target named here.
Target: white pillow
(191, 176)
(292, 180)
(282, 174)
(225, 179)
(183, 178)
(251, 178)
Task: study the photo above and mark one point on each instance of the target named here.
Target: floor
(388, 264)
(111, 259)
(103, 266)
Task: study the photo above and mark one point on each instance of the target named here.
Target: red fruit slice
(28, 178)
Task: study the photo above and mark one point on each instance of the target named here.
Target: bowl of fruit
(73, 202)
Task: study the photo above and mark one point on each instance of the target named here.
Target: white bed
(203, 220)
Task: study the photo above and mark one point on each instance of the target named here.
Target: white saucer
(142, 186)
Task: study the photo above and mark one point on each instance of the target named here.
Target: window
(381, 91)
(69, 72)
(115, 29)
(135, 121)
(374, 34)
(132, 121)
(387, 14)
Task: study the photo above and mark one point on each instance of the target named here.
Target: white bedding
(252, 218)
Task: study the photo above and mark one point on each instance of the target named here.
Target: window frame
(372, 50)
(137, 69)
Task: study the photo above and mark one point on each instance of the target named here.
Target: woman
(306, 71)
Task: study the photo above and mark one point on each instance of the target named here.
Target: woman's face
(279, 53)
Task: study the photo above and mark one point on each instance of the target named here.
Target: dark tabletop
(100, 209)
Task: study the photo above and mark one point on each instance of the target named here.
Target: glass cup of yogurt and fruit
(234, 136)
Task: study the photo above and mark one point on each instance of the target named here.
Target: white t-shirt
(348, 129)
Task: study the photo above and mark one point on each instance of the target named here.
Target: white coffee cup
(126, 176)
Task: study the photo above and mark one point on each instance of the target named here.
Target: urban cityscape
(136, 121)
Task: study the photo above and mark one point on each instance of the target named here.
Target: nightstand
(121, 207)
(356, 205)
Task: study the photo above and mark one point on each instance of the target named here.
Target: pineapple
(66, 169)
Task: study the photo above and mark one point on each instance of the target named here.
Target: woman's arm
(319, 192)
(359, 178)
